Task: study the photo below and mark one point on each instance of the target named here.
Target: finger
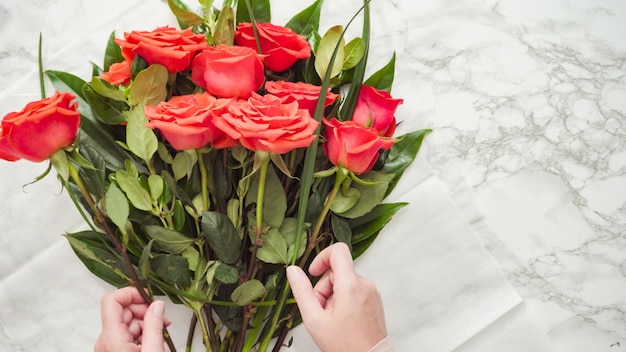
(138, 310)
(324, 288)
(112, 305)
(303, 293)
(336, 257)
(135, 329)
(152, 335)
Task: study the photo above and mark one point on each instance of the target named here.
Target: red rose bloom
(118, 73)
(376, 108)
(305, 94)
(228, 71)
(40, 129)
(186, 121)
(265, 123)
(282, 46)
(353, 146)
(166, 46)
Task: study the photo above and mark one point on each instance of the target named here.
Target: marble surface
(514, 239)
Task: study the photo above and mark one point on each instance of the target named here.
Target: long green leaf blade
(307, 20)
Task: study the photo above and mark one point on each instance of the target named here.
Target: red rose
(118, 73)
(305, 94)
(185, 121)
(166, 46)
(228, 71)
(40, 129)
(265, 123)
(376, 108)
(353, 146)
(282, 46)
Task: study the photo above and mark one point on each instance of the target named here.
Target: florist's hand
(344, 311)
(129, 324)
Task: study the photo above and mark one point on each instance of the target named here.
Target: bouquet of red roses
(206, 159)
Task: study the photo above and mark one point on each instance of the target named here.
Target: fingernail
(158, 309)
(292, 273)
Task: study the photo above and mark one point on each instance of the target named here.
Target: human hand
(344, 311)
(129, 324)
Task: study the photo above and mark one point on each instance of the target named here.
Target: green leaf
(179, 215)
(193, 257)
(347, 108)
(149, 86)
(93, 177)
(164, 154)
(113, 53)
(275, 203)
(354, 52)
(220, 179)
(344, 202)
(94, 135)
(289, 230)
(182, 13)
(138, 65)
(106, 110)
(359, 248)
(66, 82)
(226, 273)
(144, 261)
(403, 153)
(222, 236)
(116, 206)
(183, 164)
(371, 195)
(98, 257)
(307, 20)
(383, 78)
(206, 4)
(140, 139)
(372, 222)
(325, 49)
(170, 241)
(172, 269)
(341, 230)
(60, 164)
(225, 28)
(107, 90)
(260, 11)
(247, 292)
(274, 248)
(176, 189)
(230, 316)
(156, 186)
(138, 196)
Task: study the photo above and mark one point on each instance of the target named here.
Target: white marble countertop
(518, 200)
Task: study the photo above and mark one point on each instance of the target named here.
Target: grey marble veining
(529, 99)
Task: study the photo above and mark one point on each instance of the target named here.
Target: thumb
(152, 333)
(303, 292)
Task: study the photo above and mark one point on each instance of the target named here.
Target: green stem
(257, 324)
(205, 332)
(42, 84)
(260, 200)
(190, 333)
(117, 244)
(213, 337)
(265, 343)
(311, 245)
(204, 179)
(340, 177)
